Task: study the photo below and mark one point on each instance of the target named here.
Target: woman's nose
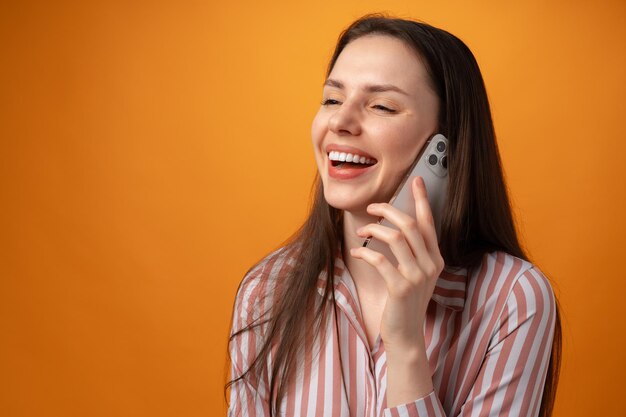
(345, 120)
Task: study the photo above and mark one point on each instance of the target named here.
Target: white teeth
(349, 157)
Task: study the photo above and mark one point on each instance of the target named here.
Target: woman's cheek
(317, 137)
(319, 121)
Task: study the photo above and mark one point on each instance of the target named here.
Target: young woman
(464, 325)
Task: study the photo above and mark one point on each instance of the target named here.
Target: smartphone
(432, 165)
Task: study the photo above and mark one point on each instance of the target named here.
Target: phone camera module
(444, 162)
(441, 146)
(432, 159)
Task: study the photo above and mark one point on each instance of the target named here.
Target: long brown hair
(477, 218)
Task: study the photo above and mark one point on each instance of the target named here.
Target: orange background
(150, 153)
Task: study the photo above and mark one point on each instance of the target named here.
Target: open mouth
(349, 160)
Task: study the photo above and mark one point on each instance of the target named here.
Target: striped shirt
(488, 337)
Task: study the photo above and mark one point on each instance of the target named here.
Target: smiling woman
(459, 325)
(377, 103)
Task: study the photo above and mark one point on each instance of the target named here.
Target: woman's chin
(351, 205)
(342, 203)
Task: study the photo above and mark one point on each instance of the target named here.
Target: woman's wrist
(408, 376)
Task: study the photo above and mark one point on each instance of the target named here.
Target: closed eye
(329, 102)
(383, 108)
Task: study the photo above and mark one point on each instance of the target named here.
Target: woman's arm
(248, 395)
(513, 371)
(410, 287)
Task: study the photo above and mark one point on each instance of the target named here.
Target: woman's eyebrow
(370, 88)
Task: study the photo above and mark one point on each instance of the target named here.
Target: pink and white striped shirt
(488, 337)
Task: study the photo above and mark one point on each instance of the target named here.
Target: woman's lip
(347, 173)
(348, 149)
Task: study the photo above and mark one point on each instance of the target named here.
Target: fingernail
(418, 183)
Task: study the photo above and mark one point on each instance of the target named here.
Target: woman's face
(377, 104)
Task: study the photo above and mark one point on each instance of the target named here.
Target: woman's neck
(364, 276)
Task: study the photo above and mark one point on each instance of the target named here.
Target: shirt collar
(449, 290)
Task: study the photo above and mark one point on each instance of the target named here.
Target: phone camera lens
(432, 159)
(444, 161)
(441, 146)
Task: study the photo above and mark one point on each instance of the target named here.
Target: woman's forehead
(379, 60)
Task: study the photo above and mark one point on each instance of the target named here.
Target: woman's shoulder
(272, 266)
(514, 296)
(507, 268)
(502, 278)
(260, 280)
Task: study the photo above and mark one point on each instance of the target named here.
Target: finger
(397, 242)
(396, 283)
(424, 215)
(407, 224)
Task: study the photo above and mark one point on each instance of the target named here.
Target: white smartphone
(432, 165)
